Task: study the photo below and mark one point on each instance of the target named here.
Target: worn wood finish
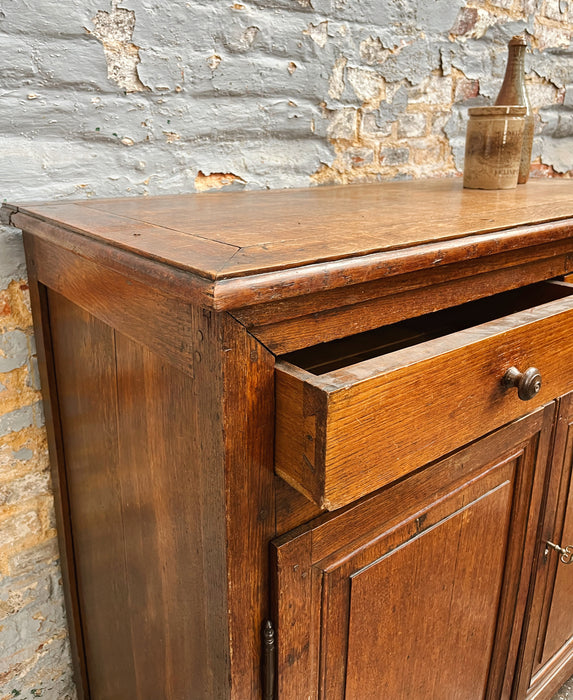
(156, 319)
(169, 518)
(152, 606)
(256, 247)
(42, 332)
(328, 423)
(292, 507)
(198, 377)
(157, 242)
(270, 226)
(297, 600)
(560, 625)
(433, 274)
(158, 276)
(459, 532)
(318, 277)
(526, 511)
(85, 347)
(469, 568)
(247, 427)
(547, 656)
(398, 302)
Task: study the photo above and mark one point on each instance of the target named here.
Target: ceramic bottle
(493, 147)
(513, 92)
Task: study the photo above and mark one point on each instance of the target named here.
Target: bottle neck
(515, 64)
(513, 87)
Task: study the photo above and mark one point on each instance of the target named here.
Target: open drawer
(355, 414)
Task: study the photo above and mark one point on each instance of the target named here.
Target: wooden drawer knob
(528, 383)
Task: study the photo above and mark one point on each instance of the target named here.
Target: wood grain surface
(345, 433)
(470, 567)
(86, 348)
(246, 425)
(560, 625)
(302, 322)
(152, 319)
(186, 410)
(157, 321)
(43, 336)
(147, 520)
(284, 243)
(420, 589)
(546, 659)
(559, 629)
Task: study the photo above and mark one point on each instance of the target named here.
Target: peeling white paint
(369, 87)
(214, 62)
(336, 81)
(318, 33)
(115, 30)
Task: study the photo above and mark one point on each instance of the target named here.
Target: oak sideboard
(311, 443)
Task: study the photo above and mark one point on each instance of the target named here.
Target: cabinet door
(417, 592)
(548, 650)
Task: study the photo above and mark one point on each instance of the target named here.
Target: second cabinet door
(417, 592)
(547, 659)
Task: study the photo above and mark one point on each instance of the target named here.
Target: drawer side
(301, 416)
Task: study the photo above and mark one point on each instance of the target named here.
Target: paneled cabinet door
(417, 592)
(548, 651)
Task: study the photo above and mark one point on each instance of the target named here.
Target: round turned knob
(528, 383)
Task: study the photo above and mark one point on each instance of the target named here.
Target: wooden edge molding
(227, 293)
(308, 279)
(160, 276)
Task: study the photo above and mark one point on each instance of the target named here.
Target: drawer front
(343, 434)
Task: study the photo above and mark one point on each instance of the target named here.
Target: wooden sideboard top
(241, 248)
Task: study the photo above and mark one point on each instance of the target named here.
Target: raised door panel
(547, 658)
(454, 569)
(433, 585)
(560, 623)
(419, 591)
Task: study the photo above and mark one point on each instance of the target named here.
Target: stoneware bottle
(513, 92)
(493, 147)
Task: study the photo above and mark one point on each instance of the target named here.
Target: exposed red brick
(465, 21)
(466, 89)
(5, 308)
(541, 170)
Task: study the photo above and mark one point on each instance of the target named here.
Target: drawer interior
(328, 357)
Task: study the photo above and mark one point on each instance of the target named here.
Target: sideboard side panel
(39, 302)
(141, 456)
(84, 361)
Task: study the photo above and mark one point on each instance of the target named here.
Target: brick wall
(34, 656)
(105, 98)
